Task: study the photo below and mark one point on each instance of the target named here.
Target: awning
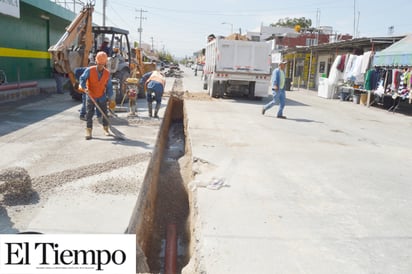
(397, 55)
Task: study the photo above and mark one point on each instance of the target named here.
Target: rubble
(15, 185)
(15, 182)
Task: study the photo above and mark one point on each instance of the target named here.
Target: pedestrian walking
(153, 83)
(278, 90)
(96, 81)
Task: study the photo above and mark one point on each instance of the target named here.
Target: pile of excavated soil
(115, 186)
(15, 183)
(43, 184)
(178, 91)
(18, 188)
(186, 95)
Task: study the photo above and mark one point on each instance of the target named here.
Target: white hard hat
(107, 40)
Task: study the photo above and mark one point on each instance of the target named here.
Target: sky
(180, 27)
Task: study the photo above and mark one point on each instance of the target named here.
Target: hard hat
(101, 58)
(106, 40)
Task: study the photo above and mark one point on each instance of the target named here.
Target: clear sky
(180, 27)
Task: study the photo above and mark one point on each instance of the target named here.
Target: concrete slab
(73, 177)
(325, 191)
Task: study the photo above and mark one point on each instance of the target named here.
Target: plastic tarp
(398, 54)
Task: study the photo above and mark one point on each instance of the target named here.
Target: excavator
(79, 45)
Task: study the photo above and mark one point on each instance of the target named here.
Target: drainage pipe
(171, 249)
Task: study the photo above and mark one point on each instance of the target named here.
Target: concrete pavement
(325, 191)
(81, 186)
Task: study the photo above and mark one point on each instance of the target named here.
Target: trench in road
(172, 205)
(164, 199)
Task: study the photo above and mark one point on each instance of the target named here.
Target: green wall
(24, 55)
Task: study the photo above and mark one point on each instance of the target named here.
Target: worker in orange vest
(96, 82)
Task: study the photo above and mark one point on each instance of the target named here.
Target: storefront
(307, 65)
(27, 32)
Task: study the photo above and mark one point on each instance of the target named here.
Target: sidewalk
(17, 91)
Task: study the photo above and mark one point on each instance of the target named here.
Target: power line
(140, 29)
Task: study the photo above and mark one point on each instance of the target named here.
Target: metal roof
(109, 30)
(398, 54)
(374, 42)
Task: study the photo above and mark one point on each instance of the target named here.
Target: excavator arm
(73, 48)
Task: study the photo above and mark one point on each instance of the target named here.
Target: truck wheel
(205, 82)
(222, 90)
(251, 94)
(215, 89)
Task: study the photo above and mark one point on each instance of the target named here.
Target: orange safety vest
(95, 86)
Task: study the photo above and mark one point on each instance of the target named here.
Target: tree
(166, 57)
(293, 22)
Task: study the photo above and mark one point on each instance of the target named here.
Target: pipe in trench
(171, 249)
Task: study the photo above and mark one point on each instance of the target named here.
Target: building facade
(27, 36)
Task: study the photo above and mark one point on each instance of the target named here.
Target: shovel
(118, 134)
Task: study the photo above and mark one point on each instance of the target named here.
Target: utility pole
(104, 12)
(317, 26)
(151, 38)
(140, 29)
(354, 19)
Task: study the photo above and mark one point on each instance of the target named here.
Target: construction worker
(97, 84)
(153, 83)
(77, 73)
(105, 46)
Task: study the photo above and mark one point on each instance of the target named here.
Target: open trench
(162, 215)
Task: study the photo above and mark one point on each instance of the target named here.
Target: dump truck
(237, 67)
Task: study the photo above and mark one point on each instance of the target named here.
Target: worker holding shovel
(96, 83)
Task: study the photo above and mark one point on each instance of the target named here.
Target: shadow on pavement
(22, 113)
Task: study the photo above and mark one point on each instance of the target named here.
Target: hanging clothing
(341, 64)
(349, 64)
(371, 79)
(335, 75)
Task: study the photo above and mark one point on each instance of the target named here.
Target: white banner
(67, 254)
(10, 7)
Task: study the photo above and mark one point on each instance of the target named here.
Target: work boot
(106, 130)
(150, 108)
(157, 110)
(88, 133)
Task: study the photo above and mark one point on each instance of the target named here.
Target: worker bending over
(96, 82)
(153, 83)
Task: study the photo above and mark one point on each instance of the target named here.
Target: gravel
(15, 184)
(18, 188)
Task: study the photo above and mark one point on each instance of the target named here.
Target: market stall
(396, 64)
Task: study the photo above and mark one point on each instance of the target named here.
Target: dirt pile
(15, 183)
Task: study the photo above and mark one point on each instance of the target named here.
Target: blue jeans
(157, 96)
(83, 108)
(60, 79)
(278, 96)
(102, 102)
